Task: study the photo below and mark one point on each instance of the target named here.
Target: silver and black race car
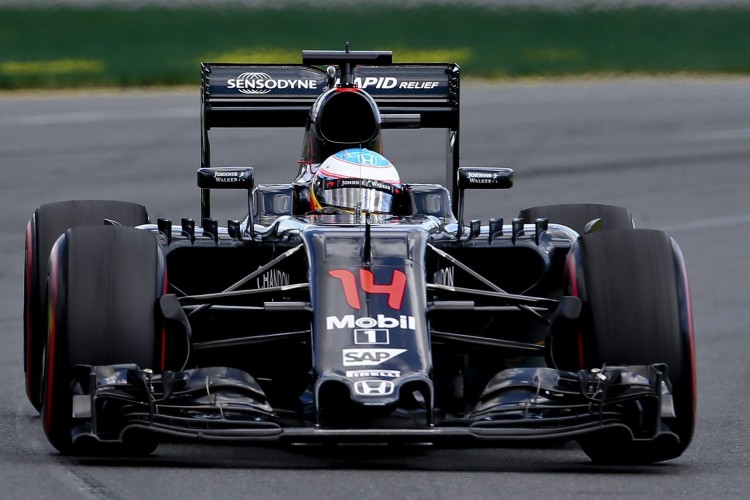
(310, 324)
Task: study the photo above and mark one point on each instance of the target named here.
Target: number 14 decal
(394, 289)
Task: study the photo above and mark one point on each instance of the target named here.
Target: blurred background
(85, 43)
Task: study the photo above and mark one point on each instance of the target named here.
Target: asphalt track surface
(676, 152)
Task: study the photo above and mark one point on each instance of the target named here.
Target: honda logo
(374, 387)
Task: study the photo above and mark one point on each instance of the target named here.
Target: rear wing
(281, 95)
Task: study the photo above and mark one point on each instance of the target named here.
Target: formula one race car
(351, 307)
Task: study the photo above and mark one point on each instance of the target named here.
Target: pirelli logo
(373, 373)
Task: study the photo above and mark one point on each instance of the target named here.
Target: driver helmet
(355, 179)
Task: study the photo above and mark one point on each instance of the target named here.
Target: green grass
(68, 47)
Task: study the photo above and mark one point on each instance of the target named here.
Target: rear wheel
(104, 285)
(637, 311)
(577, 215)
(46, 225)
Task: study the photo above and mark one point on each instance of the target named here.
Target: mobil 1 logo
(372, 336)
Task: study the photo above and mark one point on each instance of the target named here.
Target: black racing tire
(105, 282)
(636, 311)
(46, 225)
(577, 215)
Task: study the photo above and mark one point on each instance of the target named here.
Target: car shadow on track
(557, 458)
(565, 458)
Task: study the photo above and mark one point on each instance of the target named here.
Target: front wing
(112, 403)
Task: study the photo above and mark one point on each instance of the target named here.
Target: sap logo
(381, 321)
(369, 357)
(374, 387)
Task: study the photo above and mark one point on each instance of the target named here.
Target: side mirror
(480, 178)
(485, 178)
(226, 178)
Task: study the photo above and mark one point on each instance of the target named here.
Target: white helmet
(355, 179)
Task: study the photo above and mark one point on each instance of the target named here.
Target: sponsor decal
(444, 276)
(382, 82)
(482, 178)
(480, 181)
(374, 387)
(272, 278)
(227, 176)
(372, 336)
(395, 289)
(364, 157)
(389, 82)
(263, 83)
(418, 85)
(380, 321)
(361, 183)
(373, 373)
(369, 357)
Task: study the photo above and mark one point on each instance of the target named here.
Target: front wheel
(104, 285)
(637, 311)
(47, 224)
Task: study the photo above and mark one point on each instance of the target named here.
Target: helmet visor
(350, 194)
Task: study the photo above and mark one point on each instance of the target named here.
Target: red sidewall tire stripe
(28, 298)
(689, 334)
(52, 337)
(570, 264)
